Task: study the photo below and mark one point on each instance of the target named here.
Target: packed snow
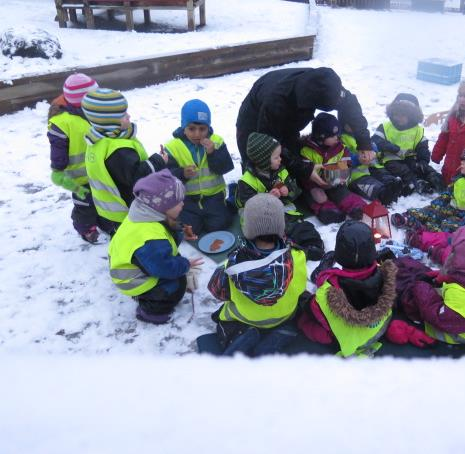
(134, 393)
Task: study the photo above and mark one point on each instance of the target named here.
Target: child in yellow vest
(260, 284)
(264, 173)
(200, 158)
(67, 127)
(144, 258)
(404, 148)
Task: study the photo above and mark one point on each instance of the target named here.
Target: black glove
(422, 167)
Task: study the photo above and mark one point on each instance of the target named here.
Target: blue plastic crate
(439, 70)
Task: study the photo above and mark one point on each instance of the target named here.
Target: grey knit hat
(260, 148)
(263, 215)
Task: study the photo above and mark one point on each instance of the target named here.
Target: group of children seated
(149, 204)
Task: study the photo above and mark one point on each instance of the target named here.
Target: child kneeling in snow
(264, 173)
(144, 258)
(354, 304)
(260, 284)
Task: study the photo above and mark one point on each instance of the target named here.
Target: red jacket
(450, 143)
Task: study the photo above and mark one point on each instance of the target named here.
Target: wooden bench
(66, 9)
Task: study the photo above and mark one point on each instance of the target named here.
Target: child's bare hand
(315, 177)
(208, 145)
(276, 192)
(190, 171)
(163, 154)
(284, 191)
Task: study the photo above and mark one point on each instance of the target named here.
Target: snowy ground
(57, 296)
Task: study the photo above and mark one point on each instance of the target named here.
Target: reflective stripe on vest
(75, 129)
(243, 309)
(353, 340)
(453, 295)
(458, 199)
(205, 182)
(405, 140)
(129, 237)
(107, 198)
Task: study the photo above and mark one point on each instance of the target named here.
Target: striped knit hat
(260, 147)
(76, 86)
(104, 109)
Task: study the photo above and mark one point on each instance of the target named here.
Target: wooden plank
(142, 72)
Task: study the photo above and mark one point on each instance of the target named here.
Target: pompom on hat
(263, 215)
(160, 191)
(76, 87)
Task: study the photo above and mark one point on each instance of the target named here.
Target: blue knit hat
(104, 108)
(195, 111)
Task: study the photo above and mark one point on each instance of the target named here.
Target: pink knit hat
(76, 86)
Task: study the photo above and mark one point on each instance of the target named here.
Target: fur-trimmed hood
(340, 305)
(405, 104)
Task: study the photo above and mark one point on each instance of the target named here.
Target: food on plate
(216, 244)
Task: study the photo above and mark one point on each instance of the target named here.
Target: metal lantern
(376, 216)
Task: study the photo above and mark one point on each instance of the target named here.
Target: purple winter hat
(160, 190)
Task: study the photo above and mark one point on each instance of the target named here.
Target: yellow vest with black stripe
(243, 309)
(75, 128)
(256, 184)
(353, 340)
(107, 198)
(205, 183)
(454, 298)
(458, 194)
(313, 156)
(129, 237)
(405, 140)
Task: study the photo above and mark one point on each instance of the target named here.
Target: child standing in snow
(260, 284)
(404, 148)
(445, 213)
(329, 203)
(265, 174)
(200, 158)
(451, 140)
(67, 127)
(144, 258)
(115, 159)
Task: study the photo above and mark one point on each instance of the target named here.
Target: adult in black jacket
(282, 103)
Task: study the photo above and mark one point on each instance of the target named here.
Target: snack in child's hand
(216, 244)
(278, 185)
(188, 233)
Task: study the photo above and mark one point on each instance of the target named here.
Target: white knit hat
(263, 215)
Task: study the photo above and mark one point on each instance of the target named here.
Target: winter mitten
(419, 338)
(61, 179)
(82, 192)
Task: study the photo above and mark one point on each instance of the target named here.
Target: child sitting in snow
(144, 258)
(445, 213)
(369, 178)
(200, 158)
(329, 203)
(265, 174)
(260, 284)
(67, 127)
(443, 313)
(115, 159)
(404, 148)
(354, 304)
(451, 140)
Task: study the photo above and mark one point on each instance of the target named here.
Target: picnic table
(66, 10)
